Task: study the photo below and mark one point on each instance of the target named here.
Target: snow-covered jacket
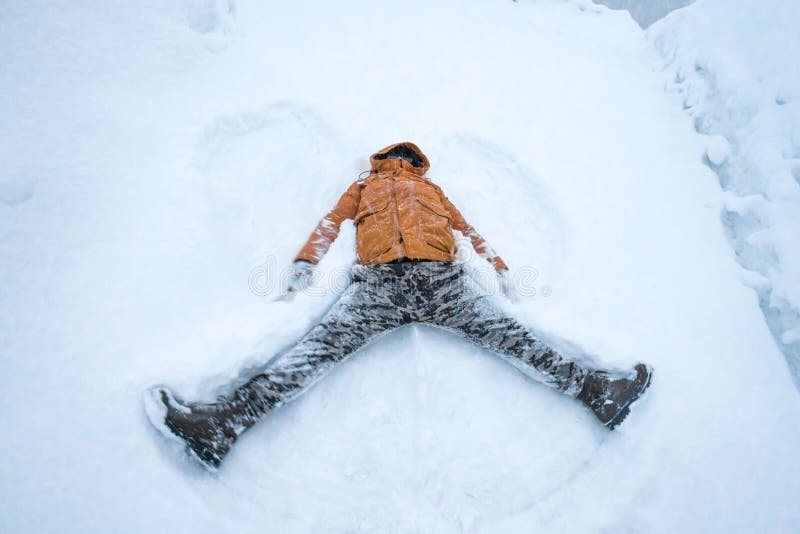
(398, 213)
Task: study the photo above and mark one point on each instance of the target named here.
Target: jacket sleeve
(327, 230)
(478, 242)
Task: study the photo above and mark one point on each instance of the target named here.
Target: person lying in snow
(406, 273)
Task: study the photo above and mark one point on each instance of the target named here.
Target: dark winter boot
(208, 430)
(610, 398)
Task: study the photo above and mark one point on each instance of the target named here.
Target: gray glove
(301, 276)
(506, 283)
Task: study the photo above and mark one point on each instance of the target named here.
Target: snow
(718, 150)
(159, 157)
(734, 66)
(646, 12)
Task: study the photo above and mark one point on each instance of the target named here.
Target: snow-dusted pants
(387, 296)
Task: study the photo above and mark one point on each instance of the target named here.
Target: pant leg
(460, 307)
(364, 312)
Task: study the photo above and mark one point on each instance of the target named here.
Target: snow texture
(158, 154)
(735, 67)
(646, 12)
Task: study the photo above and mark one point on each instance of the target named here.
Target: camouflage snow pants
(387, 296)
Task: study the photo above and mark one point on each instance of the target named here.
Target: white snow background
(156, 153)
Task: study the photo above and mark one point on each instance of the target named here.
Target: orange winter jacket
(398, 213)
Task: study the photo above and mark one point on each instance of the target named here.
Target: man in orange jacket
(406, 273)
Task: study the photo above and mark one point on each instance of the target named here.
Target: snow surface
(646, 12)
(735, 67)
(157, 154)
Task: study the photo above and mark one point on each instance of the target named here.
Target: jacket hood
(383, 160)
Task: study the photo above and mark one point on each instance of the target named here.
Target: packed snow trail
(735, 71)
(157, 155)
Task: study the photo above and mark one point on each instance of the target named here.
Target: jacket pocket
(435, 225)
(371, 208)
(375, 230)
(434, 206)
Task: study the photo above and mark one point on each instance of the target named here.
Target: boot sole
(623, 413)
(156, 412)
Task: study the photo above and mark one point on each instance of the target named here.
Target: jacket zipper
(397, 210)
